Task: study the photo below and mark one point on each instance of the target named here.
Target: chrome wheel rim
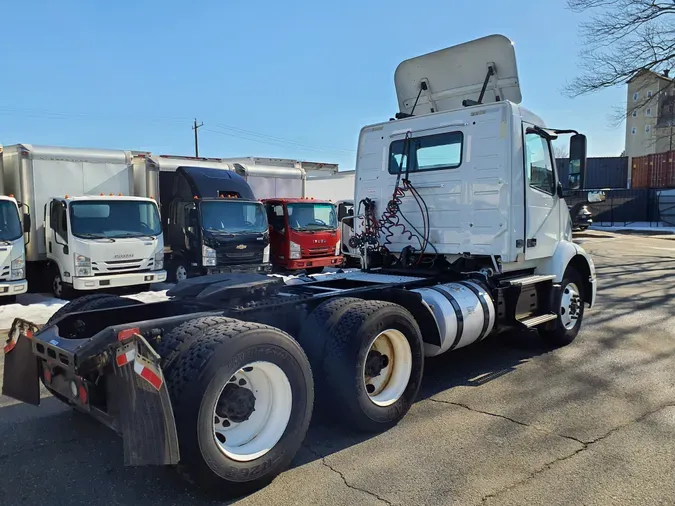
(181, 273)
(570, 306)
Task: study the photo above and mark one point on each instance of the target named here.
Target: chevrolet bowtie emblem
(241, 246)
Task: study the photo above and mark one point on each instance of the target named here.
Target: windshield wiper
(133, 235)
(219, 231)
(5, 242)
(94, 236)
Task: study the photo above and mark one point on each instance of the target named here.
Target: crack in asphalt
(342, 476)
(585, 444)
(504, 417)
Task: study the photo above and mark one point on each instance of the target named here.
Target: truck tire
(570, 311)
(182, 336)
(60, 289)
(242, 396)
(369, 357)
(86, 303)
(179, 270)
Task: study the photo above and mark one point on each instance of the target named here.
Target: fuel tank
(464, 313)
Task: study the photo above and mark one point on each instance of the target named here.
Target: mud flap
(138, 392)
(20, 379)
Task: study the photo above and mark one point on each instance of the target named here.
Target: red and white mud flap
(138, 389)
(20, 379)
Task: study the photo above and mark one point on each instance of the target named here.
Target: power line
(282, 139)
(286, 143)
(232, 131)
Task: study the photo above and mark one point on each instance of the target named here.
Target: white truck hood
(129, 249)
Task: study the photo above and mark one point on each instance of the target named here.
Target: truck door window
(275, 216)
(538, 163)
(57, 219)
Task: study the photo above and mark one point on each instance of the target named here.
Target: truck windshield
(233, 217)
(10, 226)
(108, 219)
(311, 217)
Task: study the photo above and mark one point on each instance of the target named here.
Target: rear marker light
(83, 394)
(127, 333)
(47, 374)
(73, 388)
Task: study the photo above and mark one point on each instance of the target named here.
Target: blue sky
(285, 79)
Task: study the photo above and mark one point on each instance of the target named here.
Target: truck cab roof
(95, 198)
(294, 200)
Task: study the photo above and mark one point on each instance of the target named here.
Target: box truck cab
(211, 218)
(12, 251)
(103, 242)
(304, 234)
(92, 226)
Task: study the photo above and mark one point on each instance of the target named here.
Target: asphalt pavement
(506, 422)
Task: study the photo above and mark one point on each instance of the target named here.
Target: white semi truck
(91, 223)
(464, 231)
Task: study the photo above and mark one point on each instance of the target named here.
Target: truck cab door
(542, 203)
(56, 233)
(346, 221)
(277, 224)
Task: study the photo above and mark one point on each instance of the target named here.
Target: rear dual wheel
(242, 395)
(371, 359)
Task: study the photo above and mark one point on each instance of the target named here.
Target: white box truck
(12, 247)
(93, 225)
(269, 181)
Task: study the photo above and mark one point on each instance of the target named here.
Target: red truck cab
(304, 234)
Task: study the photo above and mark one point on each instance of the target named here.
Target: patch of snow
(635, 228)
(39, 307)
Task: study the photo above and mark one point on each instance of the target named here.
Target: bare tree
(621, 38)
(560, 152)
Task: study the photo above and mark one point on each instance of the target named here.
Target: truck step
(530, 280)
(533, 321)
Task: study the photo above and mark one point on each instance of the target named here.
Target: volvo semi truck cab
(213, 222)
(304, 234)
(92, 226)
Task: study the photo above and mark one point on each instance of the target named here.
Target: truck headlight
(208, 256)
(159, 261)
(266, 254)
(294, 250)
(338, 248)
(17, 269)
(82, 266)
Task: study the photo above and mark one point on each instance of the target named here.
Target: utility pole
(195, 126)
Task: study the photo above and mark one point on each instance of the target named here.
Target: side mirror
(26, 223)
(560, 191)
(193, 219)
(577, 162)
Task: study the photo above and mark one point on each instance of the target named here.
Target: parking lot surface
(505, 422)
